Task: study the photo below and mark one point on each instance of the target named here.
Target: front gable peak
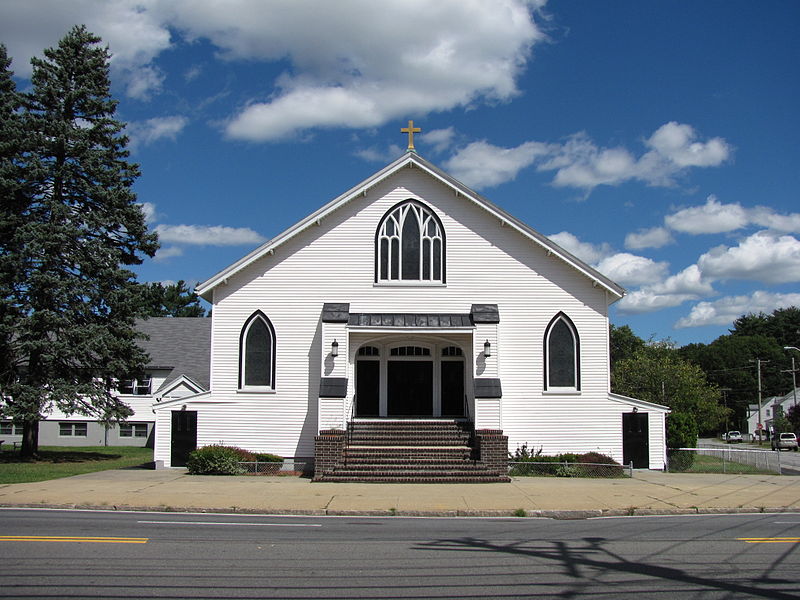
(411, 160)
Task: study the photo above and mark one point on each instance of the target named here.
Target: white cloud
(482, 165)
(726, 310)
(354, 65)
(716, 217)
(711, 217)
(673, 291)
(216, 235)
(440, 139)
(149, 210)
(676, 143)
(580, 163)
(588, 253)
(629, 269)
(766, 217)
(358, 55)
(645, 301)
(134, 32)
(673, 149)
(146, 132)
(168, 252)
(763, 256)
(374, 154)
(655, 237)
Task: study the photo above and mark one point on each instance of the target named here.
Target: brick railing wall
(491, 448)
(328, 446)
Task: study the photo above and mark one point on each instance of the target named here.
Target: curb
(566, 515)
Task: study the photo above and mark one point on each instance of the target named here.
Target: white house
(179, 366)
(770, 408)
(410, 299)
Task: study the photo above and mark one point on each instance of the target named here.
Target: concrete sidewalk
(646, 493)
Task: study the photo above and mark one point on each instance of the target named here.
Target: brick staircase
(409, 451)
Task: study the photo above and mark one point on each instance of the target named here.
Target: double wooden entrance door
(410, 388)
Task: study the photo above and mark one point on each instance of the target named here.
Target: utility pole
(758, 362)
(794, 377)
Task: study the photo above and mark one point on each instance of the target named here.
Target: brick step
(440, 452)
(416, 479)
(406, 441)
(394, 468)
(407, 428)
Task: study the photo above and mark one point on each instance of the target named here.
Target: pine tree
(79, 230)
(174, 300)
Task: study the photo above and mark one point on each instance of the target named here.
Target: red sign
(759, 426)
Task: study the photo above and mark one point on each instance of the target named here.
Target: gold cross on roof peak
(410, 130)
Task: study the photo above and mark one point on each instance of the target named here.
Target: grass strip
(54, 462)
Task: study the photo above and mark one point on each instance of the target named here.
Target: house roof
(182, 344)
(413, 160)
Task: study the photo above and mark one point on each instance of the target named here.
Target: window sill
(562, 392)
(255, 390)
(409, 284)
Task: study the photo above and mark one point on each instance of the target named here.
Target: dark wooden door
(184, 436)
(367, 388)
(452, 388)
(635, 440)
(410, 388)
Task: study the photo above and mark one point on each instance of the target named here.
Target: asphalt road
(75, 554)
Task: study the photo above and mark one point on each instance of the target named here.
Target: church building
(410, 330)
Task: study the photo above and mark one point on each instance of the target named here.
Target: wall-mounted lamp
(487, 349)
(335, 349)
(635, 409)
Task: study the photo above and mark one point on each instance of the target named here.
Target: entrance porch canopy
(401, 364)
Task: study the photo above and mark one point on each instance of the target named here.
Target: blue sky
(658, 141)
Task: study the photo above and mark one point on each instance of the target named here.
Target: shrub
(264, 457)
(218, 460)
(589, 464)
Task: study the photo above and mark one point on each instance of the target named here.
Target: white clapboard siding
(487, 261)
(334, 262)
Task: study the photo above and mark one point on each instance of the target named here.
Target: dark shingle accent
(180, 343)
(335, 312)
(333, 387)
(409, 320)
(485, 313)
(487, 388)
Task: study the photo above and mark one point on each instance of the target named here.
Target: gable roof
(413, 160)
(182, 344)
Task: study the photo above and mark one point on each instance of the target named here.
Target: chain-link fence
(722, 460)
(568, 469)
(273, 468)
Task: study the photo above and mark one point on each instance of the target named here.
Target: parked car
(784, 441)
(734, 437)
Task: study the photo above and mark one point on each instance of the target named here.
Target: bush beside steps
(224, 460)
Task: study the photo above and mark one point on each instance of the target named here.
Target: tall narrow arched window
(257, 354)
(410, 245)
(562, 355)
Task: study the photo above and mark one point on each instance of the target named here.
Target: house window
(562, 355)
(9, 428)
(257, 354)
(135, 387)
(72, 429)
(410, 245)
(133, 430)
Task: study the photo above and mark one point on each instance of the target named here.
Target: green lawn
(59, 461)
(713, 464)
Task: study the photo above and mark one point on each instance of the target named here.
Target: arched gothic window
(410, 245)
(562, 355)
(257, 353)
